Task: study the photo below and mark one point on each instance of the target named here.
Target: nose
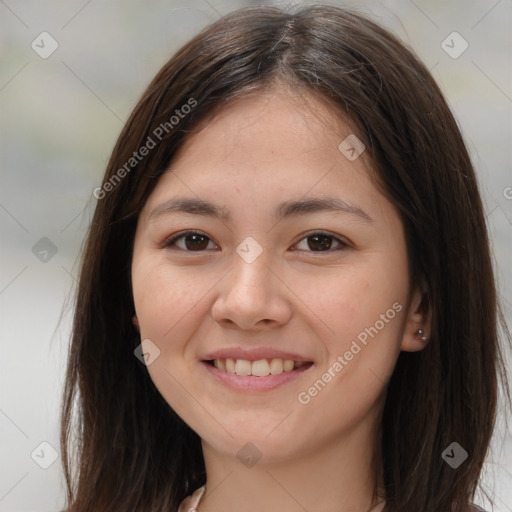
(252, 296)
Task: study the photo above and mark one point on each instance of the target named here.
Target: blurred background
(70, 74)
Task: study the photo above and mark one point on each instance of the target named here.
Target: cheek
(356, 298)
(168, 304)
(365, 313)
(361, 357)
(166, 297)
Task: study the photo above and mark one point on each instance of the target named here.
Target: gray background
(59, 120)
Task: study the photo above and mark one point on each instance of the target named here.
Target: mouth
(258, 375)
(258, 368)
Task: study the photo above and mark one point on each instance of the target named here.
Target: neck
(339, 476)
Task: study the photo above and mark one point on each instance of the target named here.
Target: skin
(258, 152)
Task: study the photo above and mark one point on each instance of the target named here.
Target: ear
(135, 322)
(419, 316)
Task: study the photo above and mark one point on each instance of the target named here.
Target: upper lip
(253, 354)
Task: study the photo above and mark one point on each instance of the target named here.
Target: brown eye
(321, 242)
(192, 242)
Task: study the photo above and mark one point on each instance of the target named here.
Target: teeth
(259, 368)
(288, 365)
(230, 365)
(276, 366)
(242, 367)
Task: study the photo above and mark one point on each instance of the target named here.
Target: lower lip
(252, 383)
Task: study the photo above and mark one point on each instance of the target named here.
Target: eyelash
(170, 242)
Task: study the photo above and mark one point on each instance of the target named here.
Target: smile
(255, 376)
(259, 368)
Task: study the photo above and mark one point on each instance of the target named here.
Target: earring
(420, 334)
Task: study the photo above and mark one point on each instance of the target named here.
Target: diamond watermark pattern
(44, 250)
(249, 250)
(454, 455)
(44, 455)
(147, 352)
(454, 45)
(249, 455)
(44, 45)
(352, 147)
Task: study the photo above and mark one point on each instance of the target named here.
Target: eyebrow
(285, 209)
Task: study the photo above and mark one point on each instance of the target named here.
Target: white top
(190, 503)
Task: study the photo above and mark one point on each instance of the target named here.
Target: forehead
(278, 123)
(269, 141)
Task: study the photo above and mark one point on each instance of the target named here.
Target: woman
(286, 300)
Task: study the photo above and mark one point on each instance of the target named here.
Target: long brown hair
(131, 451)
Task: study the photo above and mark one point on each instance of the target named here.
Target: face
(272, 322)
